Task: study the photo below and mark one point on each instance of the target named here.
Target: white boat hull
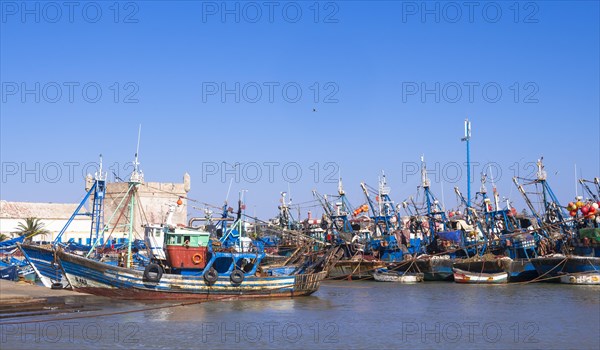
(461, 276)
(398, 277)
(584, 278)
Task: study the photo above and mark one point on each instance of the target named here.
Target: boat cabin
(187, 248)
(155, 238)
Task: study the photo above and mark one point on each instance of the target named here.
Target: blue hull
(558, 265)
(90, 276)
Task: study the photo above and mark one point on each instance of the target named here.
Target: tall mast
(137, 177)
(425, 183)
(467, 139)
(494, 190)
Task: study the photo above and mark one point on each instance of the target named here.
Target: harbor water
(341, 315)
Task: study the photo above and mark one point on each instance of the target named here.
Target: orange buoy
(197, 259)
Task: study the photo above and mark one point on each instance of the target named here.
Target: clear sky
(348, 87)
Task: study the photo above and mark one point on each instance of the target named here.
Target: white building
(152, 204)
(54, 216)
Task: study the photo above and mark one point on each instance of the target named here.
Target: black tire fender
(210, 276)
(153, 273)
(237, 276)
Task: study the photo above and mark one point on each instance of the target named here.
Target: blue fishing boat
(182, 262)
(22, 268)
(444, 239)
(153, 282)
(569, 248)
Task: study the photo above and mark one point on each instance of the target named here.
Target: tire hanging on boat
(237, 276)
(210, 276)
(153, 273)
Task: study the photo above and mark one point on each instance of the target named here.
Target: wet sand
(23, 292)
(21, 299)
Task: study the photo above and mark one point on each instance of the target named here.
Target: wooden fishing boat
(461, 276)
(555, 264)
(385, 275)
(589, 278)
(94, 277)
(355, 268)
(179, 263)
(518, 270)
(435, 268)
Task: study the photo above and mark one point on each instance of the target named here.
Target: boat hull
(585, 279)
(461, 276)
(435, 269)
(398, 277)
(519, 270)
(89, 276)
(355, 269)
(554, 266)
(46, 268)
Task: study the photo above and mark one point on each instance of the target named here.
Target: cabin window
(156, 232)
(186, 239)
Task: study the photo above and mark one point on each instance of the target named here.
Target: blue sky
(370, 62)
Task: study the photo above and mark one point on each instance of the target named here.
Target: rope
(538, 279)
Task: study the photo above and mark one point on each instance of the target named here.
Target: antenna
(340, 186)
(136, 175)
(99, 175)
(228, 190)
(443, 201)
(424, 179)
(541, 173)
(467, 139)
(494, 191)
(137, 149)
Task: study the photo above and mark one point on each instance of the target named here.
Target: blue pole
(58, 238)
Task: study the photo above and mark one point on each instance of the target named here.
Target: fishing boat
(180, 263)
(22, 269)
(435, 267)
(352, 235)
(153, 283)
(567, 248)
(355, 268)
(554, 264)
(9, 273)
(589, 278)
(461, 276)
(385, 275)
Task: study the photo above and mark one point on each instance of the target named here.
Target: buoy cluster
(362, 209)
(587, 209)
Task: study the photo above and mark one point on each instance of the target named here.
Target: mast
(136, 178)
(433, 205)
(467, 139)
(425, 183)
(344, 207)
